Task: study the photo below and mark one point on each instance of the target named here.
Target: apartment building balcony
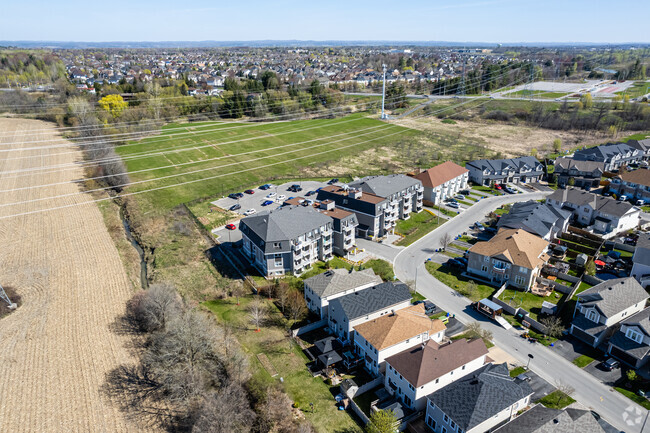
(498, 270)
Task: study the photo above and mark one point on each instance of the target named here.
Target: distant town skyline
(489, 21)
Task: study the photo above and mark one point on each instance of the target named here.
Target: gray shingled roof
(385, 186)
(480, 395)
(541, 419)
(499, 164)
(640, 320)
(534, 217)
(603, 152)
(364, 302)
(606, 205)
(642, 252)
(584, 166)
(613, 296)
(336, 281)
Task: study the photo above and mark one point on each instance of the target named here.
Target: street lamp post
(530, 356)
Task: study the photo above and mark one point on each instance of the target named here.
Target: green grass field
(453, 279)
(417, 226)
(536, 94)
(229, 156)
(528, 301)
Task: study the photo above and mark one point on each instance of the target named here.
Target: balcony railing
(499, 269)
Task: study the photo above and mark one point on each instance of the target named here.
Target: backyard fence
(526, 315)
(585, 233)
(620, 246)
(357, 410)
(590, 279)
(309, 327)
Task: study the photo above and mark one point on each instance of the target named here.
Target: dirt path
(56, 349)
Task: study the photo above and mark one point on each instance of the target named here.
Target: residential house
(392, 333)
(613, 155)
(641, 260)
(585, 174)
(606, 304)
(348, 311)
(406, 191)
(633, 184)
(512, 256)
(536, 218)
(478, 402)
(417, 372)
(287, 239)
(443, 181)
(631, 343)
(334, 283)
(377, 216)
(541, 419)
(603, 215)
(515, 170)
(643, 146)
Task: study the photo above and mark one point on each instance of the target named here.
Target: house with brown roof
(443, 181)
(415, 373)
(633, 184)
(512, 256)
(390, 334)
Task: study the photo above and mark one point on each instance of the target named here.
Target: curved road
(409, 265)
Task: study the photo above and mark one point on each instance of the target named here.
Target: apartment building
(443, 181)
(287, 239)
(516, 170)
(585, 174)
(344, 224)
(632, 184)
(405, 191)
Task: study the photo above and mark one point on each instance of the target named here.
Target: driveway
(380, 250)
(570, 348)
(607, 377)
(541, 388)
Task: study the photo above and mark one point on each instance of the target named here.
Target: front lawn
(417, 297)
(418, 225)
(634, 397)
(583, 360)
(517, 371)
(557, 400)
(320, 267)
(488, 343)
(484, 189)
(453, 279)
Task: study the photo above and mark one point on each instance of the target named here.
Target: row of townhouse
(583, 174)
(525, 169)
(632, 184)
(603, 215)
(612, 155)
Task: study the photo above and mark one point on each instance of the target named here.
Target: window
(484, 268)
(519, 279)
(463, 368)
(407, 401)
(593, 316)
(452, 425)
(431, 423)
(446, 418)
(486, 258)
(277, 245)
(437, 380)
(444, 430)
(633, 335)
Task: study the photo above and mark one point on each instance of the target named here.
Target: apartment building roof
(516, 246)
(641, 321)
(613, 296)
(584, 166)
(603, 152)
(335, 281)
(365, 196)
(426, 363)
(440, 174)
(389, 330)
(375, 298)
(605, 205)
(385, 186)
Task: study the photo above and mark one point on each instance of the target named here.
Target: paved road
(553, 368)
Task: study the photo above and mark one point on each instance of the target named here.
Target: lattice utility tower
(460, 91)
(529, 87)
(4, 297)
(383, 94)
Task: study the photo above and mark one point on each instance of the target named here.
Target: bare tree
(237, 290)
(445, 240)
(565, 389)
(474, 330)
(227, 410)
(469, 289)
(282, 292)
(275, 411)
(257, 311)
(553, 326)
(297, 306)
(81, 109)
(154, 308)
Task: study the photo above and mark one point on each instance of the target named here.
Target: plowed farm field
(57, 347)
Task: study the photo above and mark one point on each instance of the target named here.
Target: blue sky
(433, 20)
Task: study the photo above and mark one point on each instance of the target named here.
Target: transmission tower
(4, 297)
(383, 94)
(460, 92)
(529, 85)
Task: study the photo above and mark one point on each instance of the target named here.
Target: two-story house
(287, 239)
(641, 260)
(585, 174)
(406, 192)
(643, 146)
(443, 181)
(478, 402)
(417, 372)
(322, 288)
(606, 304)
(536, 218)
(631, 343)
(348, 311)
(541, 419)
(377, 216)
(613, 155)
(633, 184)
(392, 333)
(515, 170)
(512, 256)
(603, 215)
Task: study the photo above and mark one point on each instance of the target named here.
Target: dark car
(267, 202)
(454, 263)
(310, 193)
(465, 192)
(236, 195)
(525, 377)
(429, 307)
(294, 188)
(265, 187)
(332, 181)
(462, 260)
(610, 364)
(249, 191)
(236, 206)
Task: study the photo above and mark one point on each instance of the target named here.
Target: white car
(271, 195)
(250, 212)
(282, 197)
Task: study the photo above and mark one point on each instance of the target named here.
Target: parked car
(454, 263)
(332, 181)
(281, 197)
(271, 195)
(623, 198)
(479, 226)
(640, 202)
(310, 193)
(267, 202)
(231, 227)
(429, 307)
(497, 186)
(249, 191)
(236, 206)
(525, 377)
(236, 195)
(462, 260)
(250, 212)
(265, 187)
(510, 190)
(459, 197)
(453, 204)
(294, 188)
(610, 364)
(464, 192)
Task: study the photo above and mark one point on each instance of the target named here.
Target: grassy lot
(320, 267)
(583, 286)
(583, 360)
(381, 268)
(484, 189)
(230, 168)
(557, 400)
(541, 338)
(517, 371)
(634, 397)
(288, 360)
(417, 297)
(488, 343)
(639, 88)
(445, 211)
(645, 208)
(453, 279)
(209, 215)
(527, 300)
(537, 94)
(417, 226)
(452, 255)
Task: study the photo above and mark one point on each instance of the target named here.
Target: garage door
(623, 356)
(582, 335)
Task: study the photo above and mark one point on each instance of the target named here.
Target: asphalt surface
(550, 366)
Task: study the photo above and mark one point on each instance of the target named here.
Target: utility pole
(4, 297)
(383, 93)
(460, 92)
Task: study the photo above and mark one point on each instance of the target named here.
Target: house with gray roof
(361, 306)
(642, 146)
(606, 304)
(585, 174)
(602, 215)
(478, 402)
(613, 155)
(540, 419)
(287, 239)
(536, 218)
(515, 170)
(407, 192)
(641, 260)
(321, 289)
(631, 343)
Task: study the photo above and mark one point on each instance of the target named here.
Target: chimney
(355, 193)
(327, 205)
